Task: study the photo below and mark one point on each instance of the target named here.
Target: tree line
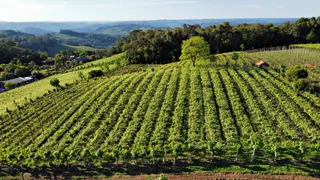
(164, 46)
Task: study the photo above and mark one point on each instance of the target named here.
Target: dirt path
(220, 176)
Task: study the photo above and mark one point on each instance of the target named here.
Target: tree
(242, 47)
(55, 82)
(44, 55)
(32, 65)
(194, 49)
(22, 71)
(95, 73)
(312, 37)
(10, 85)
(58, 61)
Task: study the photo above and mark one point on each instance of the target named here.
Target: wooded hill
(163, 46)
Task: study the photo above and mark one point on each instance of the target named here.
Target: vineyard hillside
(21, 95)
(228, 111)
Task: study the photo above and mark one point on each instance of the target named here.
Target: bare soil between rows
(209, 176)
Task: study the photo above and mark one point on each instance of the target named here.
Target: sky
(123, 10)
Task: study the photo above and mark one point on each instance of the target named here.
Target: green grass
(64, 37)
(38, 88)
(101, 62)
(82, 48)
(310, 46)
(56, 49)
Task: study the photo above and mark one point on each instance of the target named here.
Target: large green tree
(195, 48)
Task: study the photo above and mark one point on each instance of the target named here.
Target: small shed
(262, 64)
(310, 65)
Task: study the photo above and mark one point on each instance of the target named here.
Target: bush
(55, 82)
(10, 85)
(300, 85)
(295, 73)
(235, 56)
(81, 75)
(95, 73)
(37, 74)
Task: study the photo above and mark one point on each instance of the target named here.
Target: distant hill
(10, 33)
(51, 44)
(36, 31)
(74, 38)
(122, 29)
(91, 26)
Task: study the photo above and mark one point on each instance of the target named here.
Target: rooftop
(18, 80)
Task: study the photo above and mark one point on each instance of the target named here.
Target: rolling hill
(74, 38)
(172, 114)
(36, 31)
(39, 88)
(123, 30)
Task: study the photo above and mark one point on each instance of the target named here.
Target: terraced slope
(171, 112)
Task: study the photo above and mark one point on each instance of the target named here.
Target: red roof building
(262, 63)
(310, 65)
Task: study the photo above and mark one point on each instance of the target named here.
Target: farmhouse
(18, 81)
(262, 64)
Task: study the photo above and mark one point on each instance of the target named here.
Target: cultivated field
(174, 114)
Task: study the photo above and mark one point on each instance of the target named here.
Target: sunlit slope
(174, 111)
(23, 94)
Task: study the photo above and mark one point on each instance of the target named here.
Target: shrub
(300, 85)
(295, 73)
(37, 74)
(235, 56)
(95, 73)
(55, 82)
(81, 75)
(10, 85)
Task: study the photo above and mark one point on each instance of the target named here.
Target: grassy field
(31, 91)
(288, 58)
(56, 49)
(35, 89)
(82, 48)
(310, 46)
(110, 60)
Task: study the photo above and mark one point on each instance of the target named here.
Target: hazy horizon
(151, 20)
(143, 10)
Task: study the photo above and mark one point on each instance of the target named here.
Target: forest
(164, 46)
